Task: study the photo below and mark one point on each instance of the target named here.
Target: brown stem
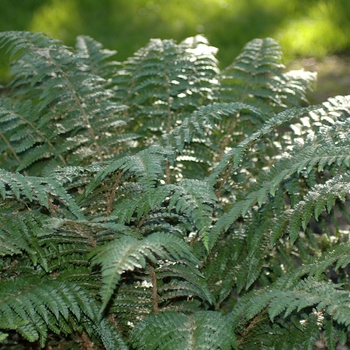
(252, 324)
(86, 343)
(114, 323)
(224, 179)
(194, 241)
(111, 196)
(14, 153)
(155, 297)
(142, 221)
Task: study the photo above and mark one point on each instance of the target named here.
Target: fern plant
(163, 203)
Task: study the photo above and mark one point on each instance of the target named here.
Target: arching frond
(32, 307)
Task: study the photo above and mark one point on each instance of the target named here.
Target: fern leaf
(193, 198)
(163, 82)
(34, 305)
(110, 338)
(334, 334)
(96, 58)
(237, 153)
(128, 253)
(184, 282)
(319, 198)
(70, 102)
(18, 234)
(202, 330)
(146, 166)
(302, 157)
(255, 78)
(35, 189)
(202, 120)
(306, 293)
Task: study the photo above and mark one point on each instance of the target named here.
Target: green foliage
(311, 28)
(161, 203)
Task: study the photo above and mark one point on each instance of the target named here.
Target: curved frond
(33, 306)
(36, 189)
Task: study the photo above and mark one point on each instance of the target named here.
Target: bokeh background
(314, 34)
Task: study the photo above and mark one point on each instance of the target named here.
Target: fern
(68, 114)
(128, 253)
(32, 307)
(185, 332)
(163, 203)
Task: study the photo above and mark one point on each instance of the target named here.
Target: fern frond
(326, 297)
(163, 82)
(35, 189)
(128, 253)
(33, 306)
(96, 58)
(204, 119)
(303, 158)
(107, 334)
(73, 105)
(334, 334)
(168, 330)
(236, 154)
(192, 198)
(256, 78)
(18, 233)
(320, 197)
(146, 166)
(184, 282)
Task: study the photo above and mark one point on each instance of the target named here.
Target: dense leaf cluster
(161, 203)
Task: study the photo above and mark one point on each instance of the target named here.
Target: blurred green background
(304, 28)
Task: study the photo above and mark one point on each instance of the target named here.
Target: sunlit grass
(316, 34)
